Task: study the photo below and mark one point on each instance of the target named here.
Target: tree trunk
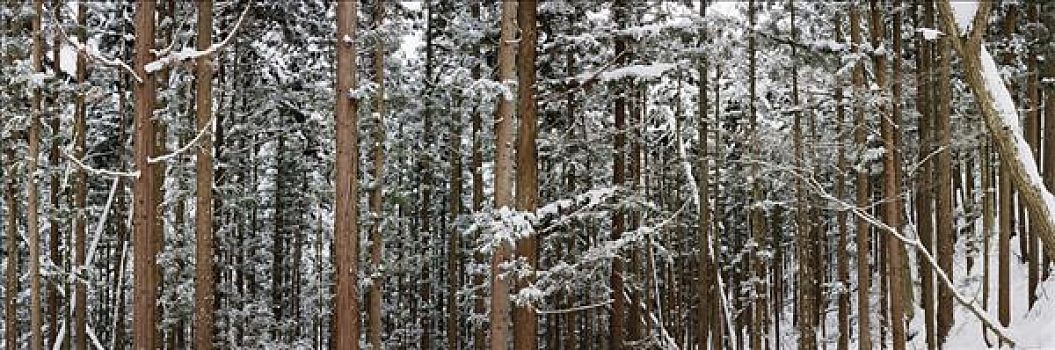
(945, 236)
(54, 235)
(377, 187)
(616, 321)
(705, 257)
(891, 186)
(10, 245)
(924, 191)
(346, 229)
(525, 322)
(503, 180)
(204, 292)
(864, 278)
(147, 187)
(843, 255)
(33, 199)
(1000, 116)
(80, 192)
(804, 291)
(1032, 132)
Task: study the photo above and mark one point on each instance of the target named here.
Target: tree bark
(843, 255)
(479, 334)
(147, 187)
(33, 199)
(525, 322)
(945, 236)
(504, 138)
(891, 186)
(924, 190)
(204, 291)
(346, 226)
(864, 278)
(80, 334)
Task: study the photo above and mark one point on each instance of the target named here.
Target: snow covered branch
(186, 54)
(95, 56)
(207, 129)
(95, 171)
(863, 214)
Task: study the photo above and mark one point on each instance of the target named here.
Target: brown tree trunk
(33, 199)
(80, 193)
(346, 228)
(54, 236)
(945, 236)
(758, 234)
(891, 187)
(204, 291)
(1032, 133)
(804, 292)
(924, 191)
(705, 259)
(525, 322)
(616, 321)
(10, 221)
(504, 138)
(147, 187)
(864, 278)
(843, 255)
(376, 193)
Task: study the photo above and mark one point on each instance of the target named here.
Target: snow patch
(637, 71)
(964, 12)
(930, 34)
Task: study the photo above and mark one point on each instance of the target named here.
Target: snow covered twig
(187, 54)
(201, 133)
(95, 171)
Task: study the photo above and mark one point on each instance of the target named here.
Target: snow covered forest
(473, 174)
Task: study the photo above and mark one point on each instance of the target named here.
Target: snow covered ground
(1031, 329)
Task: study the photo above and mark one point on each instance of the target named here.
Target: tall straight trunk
(1032, 131)
(1004, 247)
(503, 180)
(33, 199)
(924, 191)
(988, 209)
(616, 321)
(147, 187)
(346, 226)
(864, 278)
(758, 234)
(1049, 150)
(11, 220)
(54, 236)
(10, 247)
(204, 270)
(891, 191)
(843, 255)
(705, 258)
(804, 292)
(571, 339)
(376, 193)
(945, 236)
(80, 227)
(454, 259)
(525, 322)
(479, 334)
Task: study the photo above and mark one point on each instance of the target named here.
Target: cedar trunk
(346, 228)
(525, 322)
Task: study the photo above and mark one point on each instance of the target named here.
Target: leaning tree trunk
(1001, 117)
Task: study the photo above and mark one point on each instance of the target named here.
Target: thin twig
(95, 171)
(206, 129)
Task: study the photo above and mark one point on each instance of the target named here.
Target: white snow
(930, 34)
(647, 71)
(964, 12)
(1005, 108)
